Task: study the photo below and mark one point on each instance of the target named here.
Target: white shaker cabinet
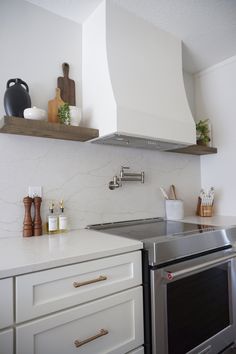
(93, 307)
(6, 302)
(6, 315)
(111, 325)
(6, 342)
(42, 293)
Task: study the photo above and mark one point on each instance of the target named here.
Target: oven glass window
(198, 308)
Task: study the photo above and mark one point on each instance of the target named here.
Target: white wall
(216, 99)
(33, 44)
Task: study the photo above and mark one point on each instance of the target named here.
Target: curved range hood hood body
(133, 89)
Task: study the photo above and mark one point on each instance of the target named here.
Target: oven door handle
(169, 276)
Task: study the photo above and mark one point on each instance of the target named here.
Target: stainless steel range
(189, 281)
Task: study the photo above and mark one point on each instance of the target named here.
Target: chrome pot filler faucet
(125, 177)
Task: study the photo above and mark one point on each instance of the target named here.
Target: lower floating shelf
(196, 150)
(43, 129)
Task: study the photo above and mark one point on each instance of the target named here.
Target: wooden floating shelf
(44, 129)
(196, 150)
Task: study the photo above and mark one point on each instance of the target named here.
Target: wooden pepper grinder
(27, 224)
(37, 217)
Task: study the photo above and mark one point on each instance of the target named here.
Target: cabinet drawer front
(6, 342)
(6, 302)
(120, 316)
(48, 291)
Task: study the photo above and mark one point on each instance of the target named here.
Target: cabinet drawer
(6, 302)
(48, 291)
(6, 342)
(120, 316)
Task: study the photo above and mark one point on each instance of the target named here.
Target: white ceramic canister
(174, 209)
(35, 113)
(75, 115)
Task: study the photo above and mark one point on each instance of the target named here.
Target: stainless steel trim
(159, 305)
(206, 350)
(121, 139)
(123, 223)
(175, 247)
(169, 276)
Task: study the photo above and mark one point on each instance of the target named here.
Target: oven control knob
(169, 275)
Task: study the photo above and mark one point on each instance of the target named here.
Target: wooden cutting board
(67, 86)
(53, 106)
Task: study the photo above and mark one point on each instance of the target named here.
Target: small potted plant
(64, 114)
(203, 132)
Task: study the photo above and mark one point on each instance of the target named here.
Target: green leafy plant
(203, 132)
(64, 114)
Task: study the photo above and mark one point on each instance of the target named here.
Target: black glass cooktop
(149, 228)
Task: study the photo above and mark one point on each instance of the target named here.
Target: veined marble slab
(80, 173)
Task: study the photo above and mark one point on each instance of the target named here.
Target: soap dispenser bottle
(62, 218)
(52, 225)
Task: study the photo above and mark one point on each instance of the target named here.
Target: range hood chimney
(133, 89)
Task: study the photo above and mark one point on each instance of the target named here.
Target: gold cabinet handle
(102, 332)
(100, 278)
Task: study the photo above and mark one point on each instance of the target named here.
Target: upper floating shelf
(39, 128)
(196, 150)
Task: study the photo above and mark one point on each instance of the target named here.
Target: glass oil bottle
(52, 224)
(62, 218)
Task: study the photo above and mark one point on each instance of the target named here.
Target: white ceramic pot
(35, 113)
(75, 115)
(174, 209)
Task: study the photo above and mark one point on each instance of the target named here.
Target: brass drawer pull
(100, 278)
(102, 332)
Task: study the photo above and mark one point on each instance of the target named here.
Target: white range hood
(133, 89)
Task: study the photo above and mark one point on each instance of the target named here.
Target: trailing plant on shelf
(203, 132)
(64, 114)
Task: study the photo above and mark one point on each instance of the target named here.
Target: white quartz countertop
(20, 255)
(217, 220)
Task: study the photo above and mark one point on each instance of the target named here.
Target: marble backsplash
(79, 173)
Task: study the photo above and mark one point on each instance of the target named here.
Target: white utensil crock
(174, 209)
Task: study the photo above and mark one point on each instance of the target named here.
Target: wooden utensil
(165, 195)
(67, 86)
(53, 106)
(173, 192)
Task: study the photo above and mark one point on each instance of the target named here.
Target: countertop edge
(64, 262)
(106, 246)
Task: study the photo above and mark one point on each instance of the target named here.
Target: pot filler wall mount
(125, 177)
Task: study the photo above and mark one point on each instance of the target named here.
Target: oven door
(193, 305)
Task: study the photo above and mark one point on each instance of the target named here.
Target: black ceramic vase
(16, 98)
